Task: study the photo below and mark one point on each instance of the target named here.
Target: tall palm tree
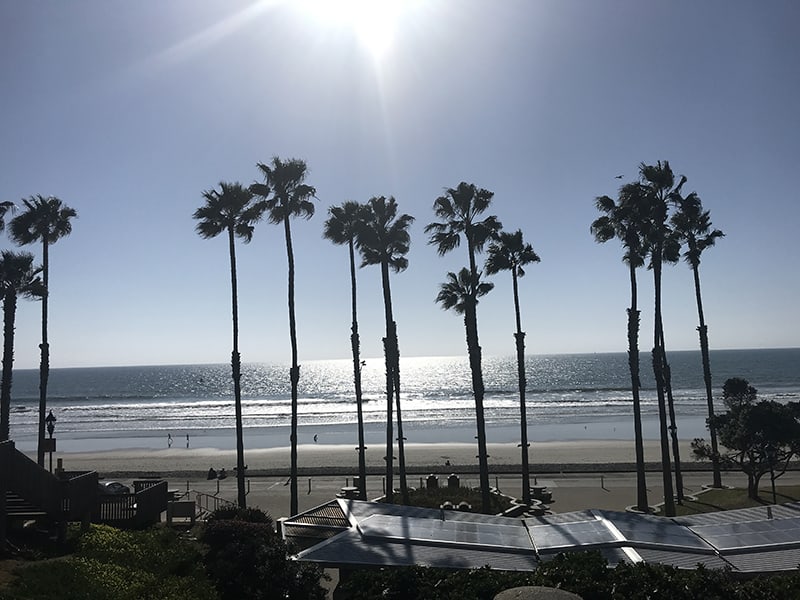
(384, 240)
(511, 253)
(45, 220)
(342, 227)
(625, 221)
(460, 209)
(286, 195)
(19, 277)
(693, 226)
(657, 183)
(231, 210)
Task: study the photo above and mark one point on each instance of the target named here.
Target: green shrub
(249, 560)
(110, 564)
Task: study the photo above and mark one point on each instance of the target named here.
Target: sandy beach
(581, 474)
(319, 459)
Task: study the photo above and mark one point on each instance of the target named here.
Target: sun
(372, 21)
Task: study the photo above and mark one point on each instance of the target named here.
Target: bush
(247, 559)
(110, 564)
(585, 574)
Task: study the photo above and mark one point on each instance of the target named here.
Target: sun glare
(372, 21)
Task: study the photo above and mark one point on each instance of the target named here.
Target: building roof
(353, 533)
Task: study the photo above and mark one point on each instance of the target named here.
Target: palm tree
(656, 184)
(460, 209)
(384, 240)
(18, 278)
(341, 228)
(233, 211)
(625, 221)
(286, 195)
(510, 253)
(45, 220)
(693, 226)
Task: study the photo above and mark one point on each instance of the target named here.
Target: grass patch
(731, 499)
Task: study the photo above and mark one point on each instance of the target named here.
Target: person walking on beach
(187, 440)
(169, 440)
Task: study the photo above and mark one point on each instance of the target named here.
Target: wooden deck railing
(31, 482)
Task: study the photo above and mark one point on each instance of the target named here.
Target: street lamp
(50, 421)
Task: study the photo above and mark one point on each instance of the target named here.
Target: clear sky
(128, 111)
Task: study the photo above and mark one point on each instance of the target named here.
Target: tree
(232, 210)
(286, 195)
(510, 253)
(761, 436)
(626, 221)
(460, 209)
(656, 184)
(693, 226)
(45, 220)
(384, 240)
(18, 278)
(341, 228)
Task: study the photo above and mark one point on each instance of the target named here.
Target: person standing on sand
(169, 440)
(187, 440)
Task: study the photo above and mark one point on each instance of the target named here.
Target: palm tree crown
(692, 224)
(230, 209)
(284, 191)
(510, 253)
(344, 222)
(45, 219)
(462, 290)
(460, 208)
(384, 236)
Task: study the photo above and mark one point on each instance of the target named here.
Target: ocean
(576, 396)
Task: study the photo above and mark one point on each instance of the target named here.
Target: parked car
(113, 488)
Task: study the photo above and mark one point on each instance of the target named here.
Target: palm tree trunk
(294, 373)
(9, 313)
(633, 364)
(401, 454)
(658, 371)
(673, 425)
(519, 337)
(236, 373)
(355, 344)
(44, 365)
(387, 351)
(703, 332)
(474, 351)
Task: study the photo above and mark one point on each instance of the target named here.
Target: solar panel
(446, 533)
(564, 535)
(751, 534)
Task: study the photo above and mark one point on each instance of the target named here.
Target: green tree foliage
(110, 564)
(761, 436)
(247, 559)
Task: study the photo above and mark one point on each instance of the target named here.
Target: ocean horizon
(569, 397)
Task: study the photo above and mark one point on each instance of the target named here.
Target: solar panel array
(386, 535)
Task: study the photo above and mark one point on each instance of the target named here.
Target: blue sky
(128, 111)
